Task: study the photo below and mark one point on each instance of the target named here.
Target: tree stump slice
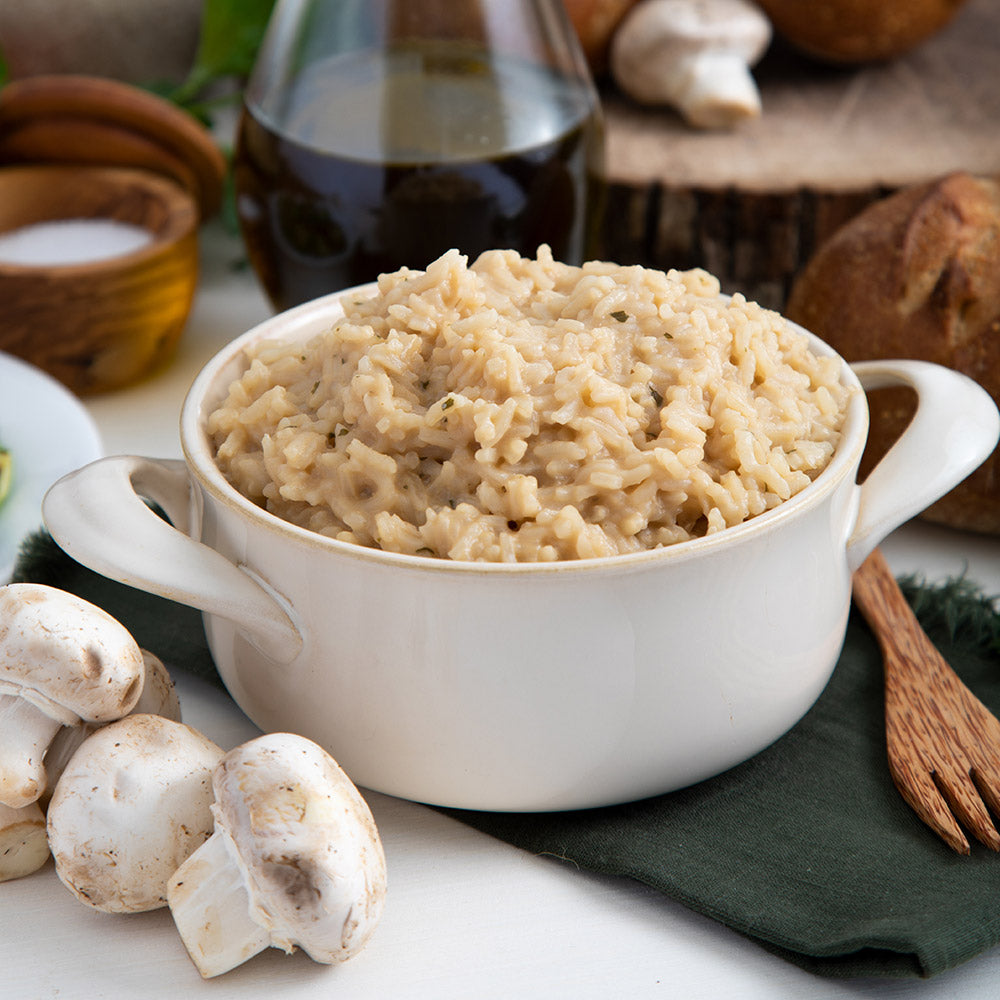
(752, 204)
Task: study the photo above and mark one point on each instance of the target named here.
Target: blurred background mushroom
(695, 55)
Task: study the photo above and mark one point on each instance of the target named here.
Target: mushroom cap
(654, 28)
(159, 697)
(132, 805)
(308, 844)
(695, 55)
(67, 656)
(159, 694)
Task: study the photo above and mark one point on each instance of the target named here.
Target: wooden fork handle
(907, 651)
(927, 708)
(880, 600)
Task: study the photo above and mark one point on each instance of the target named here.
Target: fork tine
(977, 762)
(924, 797)
(987, 781)
(987, 786)
(963, 797)
(984, 752)
(946, 786)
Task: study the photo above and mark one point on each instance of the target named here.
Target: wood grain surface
(753, 203)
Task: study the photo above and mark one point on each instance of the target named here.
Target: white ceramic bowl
(519, 687)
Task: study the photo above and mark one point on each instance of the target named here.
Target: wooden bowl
(102, 323)
(94, 122)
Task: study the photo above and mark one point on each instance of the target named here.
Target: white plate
(48, 432)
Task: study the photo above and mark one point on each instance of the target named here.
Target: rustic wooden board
(752, 204)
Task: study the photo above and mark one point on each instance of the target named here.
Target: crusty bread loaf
(916, 275)
(855, 31)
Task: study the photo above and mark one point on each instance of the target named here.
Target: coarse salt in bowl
(102, 188)
(105, 261)
(71, 241)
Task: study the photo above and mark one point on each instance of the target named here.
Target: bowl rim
(309, 318)
(181, 220)
(84, 99)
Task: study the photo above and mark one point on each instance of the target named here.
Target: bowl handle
(954, 430)
(99, 516)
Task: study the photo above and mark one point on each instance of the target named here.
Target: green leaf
(231, 33)
(230, 36)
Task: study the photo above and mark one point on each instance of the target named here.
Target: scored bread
(916, 275)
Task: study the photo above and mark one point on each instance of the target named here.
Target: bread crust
(916, 275)
(856, 31)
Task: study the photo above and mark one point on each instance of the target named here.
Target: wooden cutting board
(753, 203)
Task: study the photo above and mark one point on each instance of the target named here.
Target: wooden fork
(943, 742)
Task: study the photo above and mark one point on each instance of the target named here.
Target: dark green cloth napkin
(807, 848)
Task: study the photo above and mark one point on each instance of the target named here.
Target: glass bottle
(378, 134)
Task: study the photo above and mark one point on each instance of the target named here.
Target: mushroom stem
(24, 846)
(211, 907)
(718, 90)
(25, 734)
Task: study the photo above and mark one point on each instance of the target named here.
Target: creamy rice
(526, 410)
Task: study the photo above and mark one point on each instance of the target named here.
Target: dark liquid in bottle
(468, 152)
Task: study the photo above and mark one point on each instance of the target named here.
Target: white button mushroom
(24, 845)
(24, 848)
(295, 860)
(62, 661)
(159, 697)
(132, 805)
(694, 55)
